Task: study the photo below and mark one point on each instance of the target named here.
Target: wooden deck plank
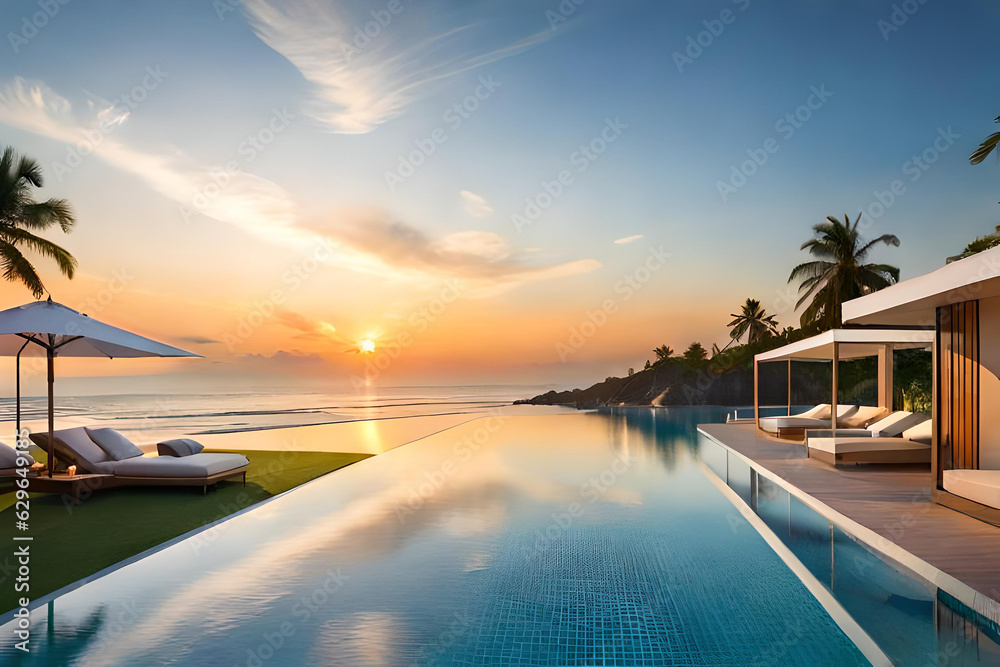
(893, 502)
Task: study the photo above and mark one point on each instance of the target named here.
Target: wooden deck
(892, 502)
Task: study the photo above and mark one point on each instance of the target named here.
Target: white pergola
(844, 345)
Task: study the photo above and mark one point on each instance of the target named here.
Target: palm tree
(987, 147)
(695, 354)
(754, 322)
(663, 353)
(21, 215)
(839, 273)
(982, 243)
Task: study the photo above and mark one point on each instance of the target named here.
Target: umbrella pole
(52, 418)
(17, 436)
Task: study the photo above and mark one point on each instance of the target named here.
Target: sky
(524, 192)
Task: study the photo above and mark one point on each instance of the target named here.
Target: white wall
(989, 384)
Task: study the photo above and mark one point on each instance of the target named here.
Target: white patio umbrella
(63, 332)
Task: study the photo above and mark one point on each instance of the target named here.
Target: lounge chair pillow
(74, 444)
(117, 446)
(920, 433)
(8, 457)
(179, 447)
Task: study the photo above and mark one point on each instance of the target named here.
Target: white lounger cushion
(894, 425)
(821, 411)
(922, 432)
(196, 465)
(864, 416)
(981, 486)
(772, 424)
(852, 445)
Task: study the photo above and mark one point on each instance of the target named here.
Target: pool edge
(978, 602)
(850, 627)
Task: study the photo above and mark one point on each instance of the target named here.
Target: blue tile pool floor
(584, 539)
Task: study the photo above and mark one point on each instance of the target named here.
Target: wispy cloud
(476, 205)
(305, 325)
(629, 239)
(363, 79)
(251, 203)
(198, 340)
(363, 240)
(381, 244)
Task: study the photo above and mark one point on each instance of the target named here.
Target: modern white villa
(962, 302)
(919, 490)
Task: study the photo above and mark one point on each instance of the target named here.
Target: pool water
(580, 539)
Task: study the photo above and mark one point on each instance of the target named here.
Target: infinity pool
(584, 539)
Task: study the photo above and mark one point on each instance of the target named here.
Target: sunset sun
(367, 346)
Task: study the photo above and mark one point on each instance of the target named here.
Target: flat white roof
(915, 301)
(854, 344)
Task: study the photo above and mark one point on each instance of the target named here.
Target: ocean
(156, 415)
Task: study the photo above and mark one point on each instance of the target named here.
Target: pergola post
(836, 388)
(756, 393)
(885, 378)
(789, 387)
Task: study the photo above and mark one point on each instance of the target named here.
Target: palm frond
(985, 148)
(43, 215)
(887, 239)
(15, 267)
(14, 236)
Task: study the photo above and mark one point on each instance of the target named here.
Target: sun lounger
(9, 467)
(980, 486)
(8, 459)
(863, 417)
(914, 446)
(891, 426)
(816, 418)
(118, 462)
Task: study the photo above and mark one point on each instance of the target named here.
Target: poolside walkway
(892, 502)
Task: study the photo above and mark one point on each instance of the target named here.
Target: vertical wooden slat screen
(958, 386)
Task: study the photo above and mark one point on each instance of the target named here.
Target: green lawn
(74, 542)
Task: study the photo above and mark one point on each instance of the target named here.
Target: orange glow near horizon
(367, 346)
